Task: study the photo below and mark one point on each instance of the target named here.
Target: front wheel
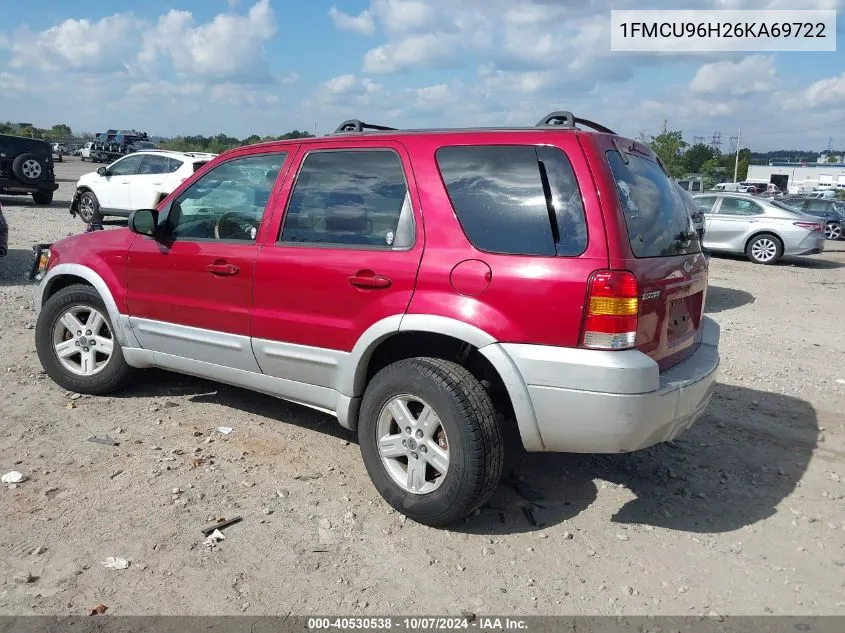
(832, 231)
(430, 440)
(75, 342)
(89, 208)
(765, 249)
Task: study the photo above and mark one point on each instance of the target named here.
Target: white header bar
(686, 31)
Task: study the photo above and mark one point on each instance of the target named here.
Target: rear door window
(515, 200)
(739, 206)
(655, 215)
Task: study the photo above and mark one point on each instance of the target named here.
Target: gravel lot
(743, 514)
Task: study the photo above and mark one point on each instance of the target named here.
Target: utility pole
(736, 160)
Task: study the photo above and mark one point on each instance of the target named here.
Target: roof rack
(355, 125)
(567, 119)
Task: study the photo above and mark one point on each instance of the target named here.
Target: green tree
(60, 132)
(831, 159)
(668, 145)
(696, 156)
(32, 132)
(742, 169)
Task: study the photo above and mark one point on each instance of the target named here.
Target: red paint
(327, 297)
(471, 277)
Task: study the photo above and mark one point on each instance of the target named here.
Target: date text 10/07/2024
(479, 623)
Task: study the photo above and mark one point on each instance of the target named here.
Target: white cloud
(755, 73)
(10, 83)
(431, 50)
(830, 91)
(80, 45)
(362, 23)
(228, 47)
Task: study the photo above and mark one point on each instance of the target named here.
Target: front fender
(120, 323)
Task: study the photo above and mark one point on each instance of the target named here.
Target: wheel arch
(65, 275)
(763, 232)
(399, 337)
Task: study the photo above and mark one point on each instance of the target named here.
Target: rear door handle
(222, 268)
(368, 279)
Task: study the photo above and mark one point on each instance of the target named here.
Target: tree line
(680, 158)
(214, 144)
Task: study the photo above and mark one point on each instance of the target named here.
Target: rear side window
(350, 198)
(199, 164)
(515, 200)
(655, 215)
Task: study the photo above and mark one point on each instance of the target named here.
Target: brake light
(610, 314)
(810, 226)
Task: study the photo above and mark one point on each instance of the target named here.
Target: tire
(89, 208)
(42, 197)
(50, 328)
(764, 249)
(465, 424)
(29, 169)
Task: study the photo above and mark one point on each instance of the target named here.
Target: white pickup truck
(85, 152)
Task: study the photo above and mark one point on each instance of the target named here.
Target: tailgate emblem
(650, 295)
(687, 267)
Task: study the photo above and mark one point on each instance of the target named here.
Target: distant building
(800, 175)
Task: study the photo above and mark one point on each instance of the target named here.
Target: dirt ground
(743, 514)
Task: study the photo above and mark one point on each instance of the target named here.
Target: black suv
(26, 166)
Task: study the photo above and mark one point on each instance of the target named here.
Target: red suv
(432, 289)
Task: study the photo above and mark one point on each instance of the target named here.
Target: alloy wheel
(764, 249)
(412, 444)
(83, 341)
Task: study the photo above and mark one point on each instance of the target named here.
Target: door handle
(124, 182)
(222, 268)
(368, 279)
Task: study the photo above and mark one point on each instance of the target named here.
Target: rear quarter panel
(529, 299)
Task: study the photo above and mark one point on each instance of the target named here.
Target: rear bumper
(12, 186)
(589, 401)
(812, 244)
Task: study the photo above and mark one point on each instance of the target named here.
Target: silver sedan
(763, 229)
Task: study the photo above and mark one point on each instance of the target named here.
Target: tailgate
(665, 257)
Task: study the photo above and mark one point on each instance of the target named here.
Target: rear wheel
(89, 208)
(430, 440)
(764, 249)
(76, 345)
(42, 197)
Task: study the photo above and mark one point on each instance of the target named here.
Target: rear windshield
(657, 220)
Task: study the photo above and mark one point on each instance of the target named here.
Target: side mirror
(144, 222)
(101, 171)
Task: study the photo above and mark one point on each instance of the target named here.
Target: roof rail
(567, 119)
(355, 125)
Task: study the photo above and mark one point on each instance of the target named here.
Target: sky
(242, 67)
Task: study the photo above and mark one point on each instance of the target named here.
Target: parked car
(85, 151)
(26, 167)
(438, 291)
(727, 186)
(832, 211)
(696, 214)
(4, 234)
(137, 180)
(825, 194)
(58, 152)
(763, 229)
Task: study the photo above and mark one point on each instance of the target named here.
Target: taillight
(610, 314)
(810, 226)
